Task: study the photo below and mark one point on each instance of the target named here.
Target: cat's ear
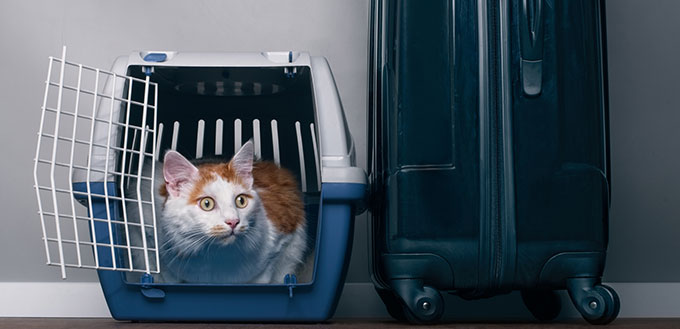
(242, 163)
(177, 171)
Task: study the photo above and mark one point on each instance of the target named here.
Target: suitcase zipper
(495, 108)
(502, 213)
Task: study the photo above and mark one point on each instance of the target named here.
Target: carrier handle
(531, 46)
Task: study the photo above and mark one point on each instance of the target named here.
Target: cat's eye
(241, 201)
(207, 203)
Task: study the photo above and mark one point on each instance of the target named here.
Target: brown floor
(56, 323)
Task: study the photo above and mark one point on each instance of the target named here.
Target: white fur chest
(241, 262)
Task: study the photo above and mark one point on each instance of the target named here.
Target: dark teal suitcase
(489, 154)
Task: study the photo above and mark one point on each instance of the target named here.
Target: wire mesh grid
(95, 141)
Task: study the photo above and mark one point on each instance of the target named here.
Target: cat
(241, 221)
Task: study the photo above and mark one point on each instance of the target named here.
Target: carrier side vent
(219, 126)
(239, 126)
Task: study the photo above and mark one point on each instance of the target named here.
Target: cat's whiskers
(220, 231)
(248, 242)
(179, 245)
(194, 246)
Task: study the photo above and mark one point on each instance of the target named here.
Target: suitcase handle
(531, 42)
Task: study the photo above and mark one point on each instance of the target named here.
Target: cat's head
(210, 202)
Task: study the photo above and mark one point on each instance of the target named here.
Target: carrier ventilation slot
(239, 139)
(87, 115)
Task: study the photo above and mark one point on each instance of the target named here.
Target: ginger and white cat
(229, 222)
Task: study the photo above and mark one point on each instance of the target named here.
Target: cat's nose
(232, 222)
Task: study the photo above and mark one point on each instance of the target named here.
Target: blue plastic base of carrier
(310, 302)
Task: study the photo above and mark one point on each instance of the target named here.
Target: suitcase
(489, 159)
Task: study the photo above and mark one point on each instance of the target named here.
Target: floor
(55, 323)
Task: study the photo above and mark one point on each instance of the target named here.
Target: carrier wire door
(85, 153)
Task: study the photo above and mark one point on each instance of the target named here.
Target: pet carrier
(102, 135)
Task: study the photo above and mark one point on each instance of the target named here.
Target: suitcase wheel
(545, 305)
(420, 304)
(597, 303)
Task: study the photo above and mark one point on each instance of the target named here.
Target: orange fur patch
(280, 196)
(207, 173)
(163, 191)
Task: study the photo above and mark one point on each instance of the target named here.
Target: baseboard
(358, 300)
(52, 299)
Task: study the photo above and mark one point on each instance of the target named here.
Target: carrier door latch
(153, 57)
(290, 72)
(290, 280)
(147, 289)
(284, 57)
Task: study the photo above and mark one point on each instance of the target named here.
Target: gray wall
(644, 85)
(643, 73)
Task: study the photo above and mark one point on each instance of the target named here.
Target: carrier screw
(593, 304)
(426, 306)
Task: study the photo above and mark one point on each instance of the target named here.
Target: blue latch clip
(148, 290)
(153, 57)
(290, 72)
(291, 281)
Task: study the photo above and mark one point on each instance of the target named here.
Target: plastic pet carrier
(103, 133)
